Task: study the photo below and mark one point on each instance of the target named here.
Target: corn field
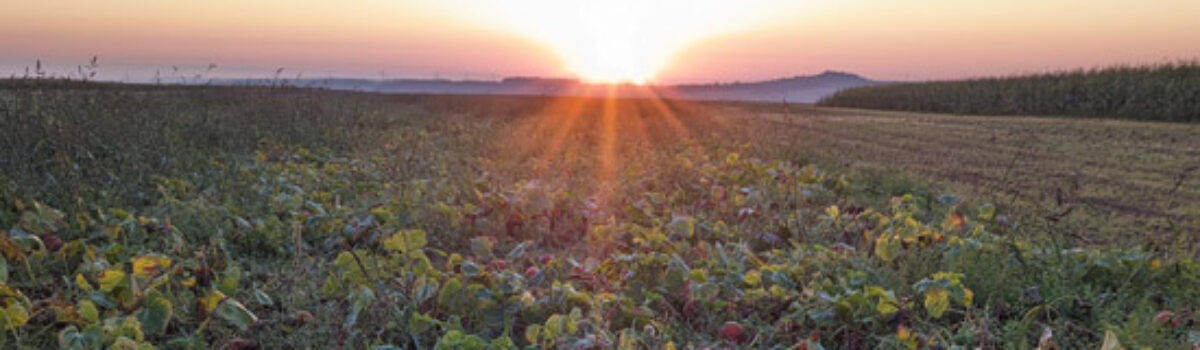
(1166, 92)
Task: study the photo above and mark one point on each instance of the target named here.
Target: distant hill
(803, 89)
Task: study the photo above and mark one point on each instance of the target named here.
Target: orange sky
(687, 41)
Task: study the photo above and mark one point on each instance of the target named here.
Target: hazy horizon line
(182, 73)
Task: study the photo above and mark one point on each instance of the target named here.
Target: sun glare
(619, 41)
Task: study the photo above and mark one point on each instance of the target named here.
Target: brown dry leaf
(1046, 341)
(1111, 342)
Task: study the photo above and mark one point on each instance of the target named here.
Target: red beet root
(733, 332)
(1167, 319)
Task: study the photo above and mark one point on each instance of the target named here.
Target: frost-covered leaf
(263, 298)
(482, 246)
(230, 279)
(155, 314)
(360, 300)
(517, 251)
(681, 227)
(236, 314)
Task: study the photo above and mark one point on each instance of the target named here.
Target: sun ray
(606, 171)
(566, 122)
(672, 120)
(549, 122)
(636, 123)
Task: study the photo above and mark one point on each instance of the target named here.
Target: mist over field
(798, 89)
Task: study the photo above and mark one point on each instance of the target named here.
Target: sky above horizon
(668, 41)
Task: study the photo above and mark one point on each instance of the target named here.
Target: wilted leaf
(451, 293)
(553, 327)
(937, 300)
(987, 212)
(88, 310)
(82, 282)
(1111, 342)
(626, 340)
(886, 308)
(212, 300)
(110, 278)
(572, 320)
(419, 323)
(752, 278)
(886, 247)
(906, 337)
(405, 241)
(10, 250)
(123, 343)
(1046, 340)
(954, 221)
(66, 314)
(533, 333)
(124, 327)
(456, 339)
(14, 316)
(147, 266)
(833, 212)
(114, 231)
(502, 343)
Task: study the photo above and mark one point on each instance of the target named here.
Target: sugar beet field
(278, 218)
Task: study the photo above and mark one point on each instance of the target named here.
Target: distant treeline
(1166, 92)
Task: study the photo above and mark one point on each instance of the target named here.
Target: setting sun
(623, 41)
